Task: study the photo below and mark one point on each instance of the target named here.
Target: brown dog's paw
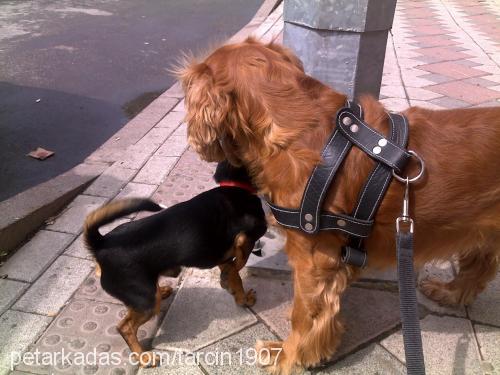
(272, 357)
(438, 291)
(165, 291)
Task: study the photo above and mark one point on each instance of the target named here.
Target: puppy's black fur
(196, 233)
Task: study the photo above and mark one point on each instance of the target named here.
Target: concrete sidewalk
(441, 54)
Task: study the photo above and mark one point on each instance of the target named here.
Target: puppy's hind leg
(129, 326)
(476, 269)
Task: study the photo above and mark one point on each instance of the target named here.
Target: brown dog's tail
(109, 213)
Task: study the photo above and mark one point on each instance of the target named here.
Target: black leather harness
(389, 152)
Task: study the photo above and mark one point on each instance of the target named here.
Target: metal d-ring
(418, 176)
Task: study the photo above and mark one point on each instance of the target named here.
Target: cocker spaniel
(253, 104)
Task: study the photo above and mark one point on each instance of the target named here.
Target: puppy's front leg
(231, 281)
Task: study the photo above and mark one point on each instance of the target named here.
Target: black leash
(410, 322)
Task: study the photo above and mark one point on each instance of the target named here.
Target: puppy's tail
(109, 213)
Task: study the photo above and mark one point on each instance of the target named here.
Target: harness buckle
(405, 214)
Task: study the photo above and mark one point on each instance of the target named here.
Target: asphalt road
(92, 65)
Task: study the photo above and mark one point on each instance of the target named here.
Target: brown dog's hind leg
(476, 269)
(319, 281)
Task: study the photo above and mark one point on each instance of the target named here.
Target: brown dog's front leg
(231, 281)
(319, 281)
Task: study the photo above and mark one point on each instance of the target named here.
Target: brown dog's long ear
(208, 106)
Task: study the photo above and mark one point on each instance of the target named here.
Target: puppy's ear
(208, 106)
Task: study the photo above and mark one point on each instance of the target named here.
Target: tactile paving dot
(88, 328)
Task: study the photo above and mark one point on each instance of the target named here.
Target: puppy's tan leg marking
(128, 329)
(98, 271)
(230, 278)
(165, 291)
(231, 281)
(129, 326)
(477, 268)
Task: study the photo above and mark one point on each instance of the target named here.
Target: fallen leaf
(40, 153)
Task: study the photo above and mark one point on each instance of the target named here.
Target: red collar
(242, 185)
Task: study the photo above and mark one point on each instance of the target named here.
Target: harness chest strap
(389, 153)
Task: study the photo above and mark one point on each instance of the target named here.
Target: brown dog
(253, 104)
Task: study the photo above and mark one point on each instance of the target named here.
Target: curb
(27, 211)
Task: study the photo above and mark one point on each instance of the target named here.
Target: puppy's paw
(439, 292)
(272, 357)
(165, 291)
(250, 298)
(148, 359)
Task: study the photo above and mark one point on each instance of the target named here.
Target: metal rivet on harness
(308, 227)
(341, 223)
(376, 150)
(308, 217)
(382, 142)
(354, 128)
(347, 121)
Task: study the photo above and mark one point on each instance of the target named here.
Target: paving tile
(155, 170)
(453, 70)
(78, 249)
(274, 302)
(366, 314)
(466, 92)
(175, 91)
(451, 103)
(424, 104)
(395, 104)
(134, 157)
(238, 355)
(18, 330)
(154, 138)
(415, 93)
(484, 82)
(444, 272)
(489, 345)
(34, 257)
(433, 41)
(84, 327)
(273, 255)
(444, 53)
(181, 130)
(111, 181)
(212, 312)
(10, 290)
(134, 189)
(372, 360)
(56, 285)
(180, 107)
(71, 220)
(485, 308)
(172, 120)
(175, 145)
(449, 346)
(393, 91)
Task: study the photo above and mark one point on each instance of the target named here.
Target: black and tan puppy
(216, 228)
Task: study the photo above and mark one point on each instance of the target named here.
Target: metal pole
(341, 42)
